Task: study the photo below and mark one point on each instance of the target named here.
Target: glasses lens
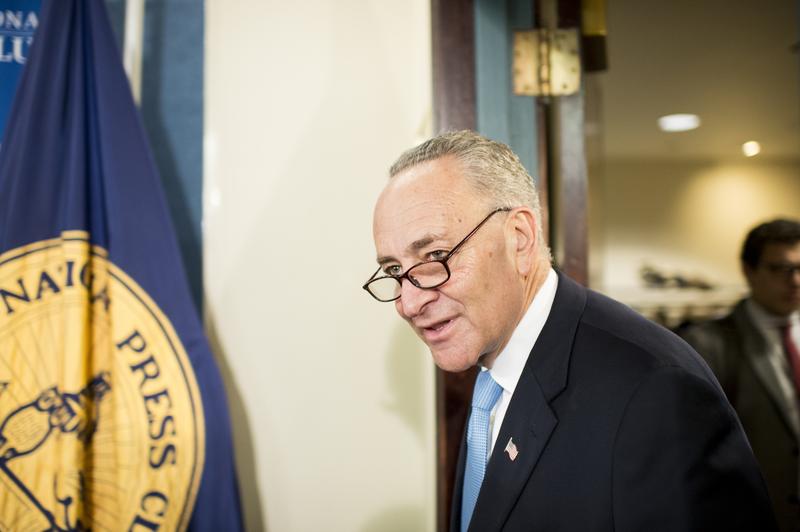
(385, 289)
(783, 269)
(428, 274)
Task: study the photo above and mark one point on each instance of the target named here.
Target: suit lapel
(530, 428)
(756, 352)
(529, 420)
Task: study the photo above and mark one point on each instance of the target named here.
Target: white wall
(306, 105)
(682, 216)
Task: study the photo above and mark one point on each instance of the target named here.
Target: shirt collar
(766, 320)
(508, 366)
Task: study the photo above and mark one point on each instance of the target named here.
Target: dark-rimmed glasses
(786, 270)
(425, 275)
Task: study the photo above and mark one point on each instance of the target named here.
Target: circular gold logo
(101, 423)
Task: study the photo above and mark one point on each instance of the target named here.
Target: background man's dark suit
(619, 426)
(738, 353)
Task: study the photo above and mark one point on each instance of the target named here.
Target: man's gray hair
(490, 167)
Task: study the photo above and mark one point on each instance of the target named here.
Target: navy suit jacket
(619, 426)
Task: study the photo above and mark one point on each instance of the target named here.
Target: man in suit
(754, 353)
(585, 416)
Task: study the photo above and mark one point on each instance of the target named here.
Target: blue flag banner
(113, 415)
(18, 22)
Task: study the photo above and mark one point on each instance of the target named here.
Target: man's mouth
(437, 331)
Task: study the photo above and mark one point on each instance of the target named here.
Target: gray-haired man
(585, 416)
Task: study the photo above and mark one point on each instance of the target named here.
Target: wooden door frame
(454, 102)
(453, 49)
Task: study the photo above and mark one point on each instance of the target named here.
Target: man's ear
(522, 239)
(748, 272)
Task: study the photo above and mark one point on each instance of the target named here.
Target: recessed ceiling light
(751, 148)
(678, 122)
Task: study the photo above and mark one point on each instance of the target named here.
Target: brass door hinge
(546, 62)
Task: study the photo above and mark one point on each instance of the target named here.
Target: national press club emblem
(101, 423)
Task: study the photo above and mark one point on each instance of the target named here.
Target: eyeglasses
(782, 269)
(425, 275)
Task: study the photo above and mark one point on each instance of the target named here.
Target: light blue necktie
(485, 395)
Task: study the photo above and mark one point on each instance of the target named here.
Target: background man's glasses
(426, 275)
(782, 269)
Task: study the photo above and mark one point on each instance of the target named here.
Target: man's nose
(413, 300)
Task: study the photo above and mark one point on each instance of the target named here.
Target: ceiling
(728, 61)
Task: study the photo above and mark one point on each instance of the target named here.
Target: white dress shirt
(769, 325)
(508, 366)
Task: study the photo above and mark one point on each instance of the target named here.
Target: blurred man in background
(754, 352)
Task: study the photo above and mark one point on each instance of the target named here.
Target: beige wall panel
(306, 106)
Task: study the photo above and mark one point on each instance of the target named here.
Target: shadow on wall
(397, 519)
(406, 365)
(242, 434)
(405, 379)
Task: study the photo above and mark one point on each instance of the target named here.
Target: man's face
(771, 285)
(421, 215)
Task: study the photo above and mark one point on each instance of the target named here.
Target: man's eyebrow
(416, 245)
(385, 260)
(423, 242)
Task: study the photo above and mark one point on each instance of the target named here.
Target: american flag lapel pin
(511, 449)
